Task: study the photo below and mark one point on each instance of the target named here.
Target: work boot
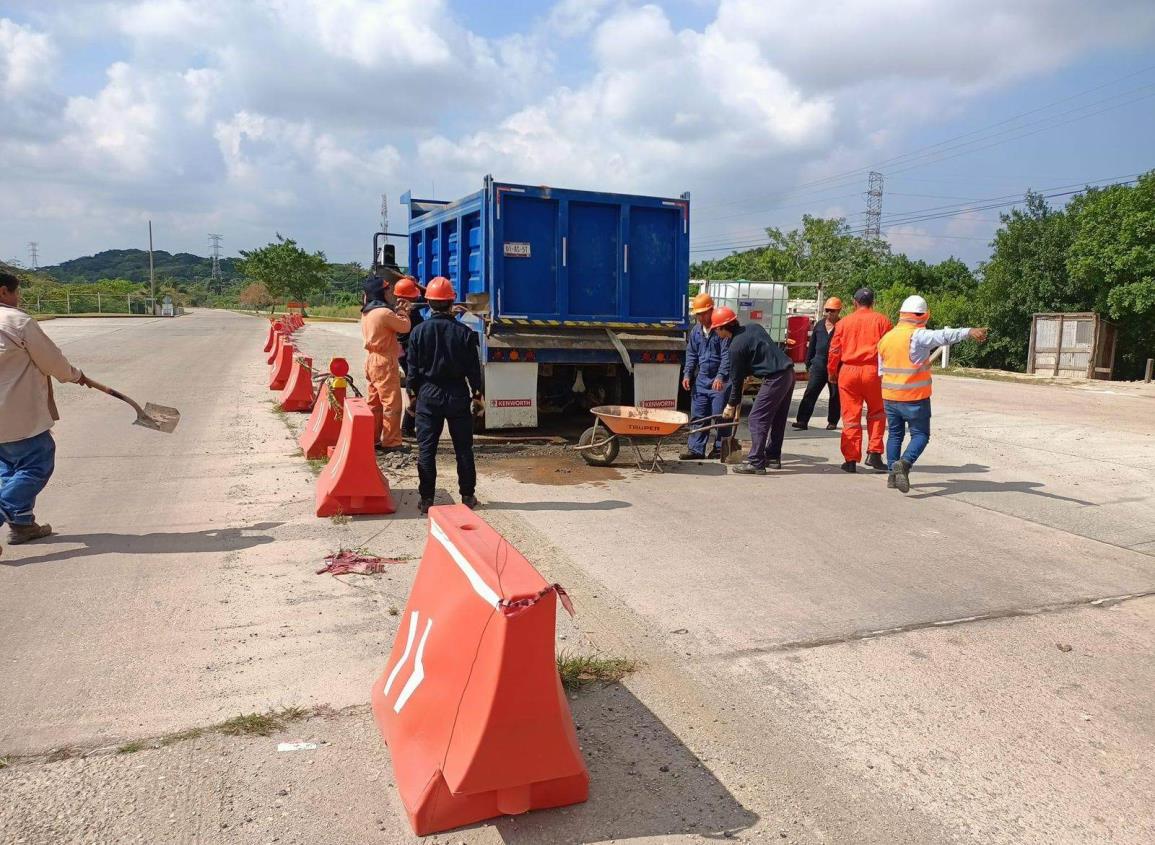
(849, 466)
(890, 485)
(424, 505)
(691, 456)
(875, 462)
(774, 463)
(399, 449)
(18, 534)
(832, 426)
(902, 476)
(715, 454)
(801, 426)
(748, 469)
(469, 501)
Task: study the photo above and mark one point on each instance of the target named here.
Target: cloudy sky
(249, 117)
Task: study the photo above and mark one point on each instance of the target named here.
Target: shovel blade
(158, 418)
(731, 451)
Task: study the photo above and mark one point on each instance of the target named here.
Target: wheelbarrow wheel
(604, 455)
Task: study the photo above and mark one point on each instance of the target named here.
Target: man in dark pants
(816, 367)
(444, 379)
(753, 353)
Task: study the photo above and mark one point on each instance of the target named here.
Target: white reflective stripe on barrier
(479, 586)
(405, 654)
(418, 671)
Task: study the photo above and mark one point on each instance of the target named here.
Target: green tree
(286, 270)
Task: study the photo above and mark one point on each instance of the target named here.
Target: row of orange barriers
(470, 702)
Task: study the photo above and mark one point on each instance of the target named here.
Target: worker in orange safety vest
(904, 365)
(852, 364)
(380, 326)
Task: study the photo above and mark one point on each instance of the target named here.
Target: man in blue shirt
(706, 375)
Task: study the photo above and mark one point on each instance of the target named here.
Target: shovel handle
(114, 393)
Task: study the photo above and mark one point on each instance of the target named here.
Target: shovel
(156, 417)
(731, 446)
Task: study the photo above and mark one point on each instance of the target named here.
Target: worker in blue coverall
(706, 375)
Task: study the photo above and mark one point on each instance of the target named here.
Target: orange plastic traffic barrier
(277, 341)
(352, 483)
(470, 703)
(271, 337)
(320, 432)
(298, 392)
(282, 367)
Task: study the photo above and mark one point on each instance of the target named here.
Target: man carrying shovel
(28, 362)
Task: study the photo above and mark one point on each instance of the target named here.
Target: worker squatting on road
(444, 382)
(816, 362)
(753, 353)
(28, 362)
(407, 290)
(706, 375)
(853, 366)
(904, 368)
(380, 326)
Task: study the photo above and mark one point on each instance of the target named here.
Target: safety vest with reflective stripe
(902, 379)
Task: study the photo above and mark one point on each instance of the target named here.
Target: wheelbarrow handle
(730, 424)
(704, 419)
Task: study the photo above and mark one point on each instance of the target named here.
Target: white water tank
(758, 302)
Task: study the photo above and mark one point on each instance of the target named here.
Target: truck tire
(602, 457)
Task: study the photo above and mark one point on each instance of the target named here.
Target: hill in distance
(132, 264)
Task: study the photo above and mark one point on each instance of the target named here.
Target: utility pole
(217, 282)
(873, 228)
(151, 271)
(34, 255)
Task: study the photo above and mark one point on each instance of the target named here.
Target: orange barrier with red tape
(470, 703)
(324, 425)
(352, 483)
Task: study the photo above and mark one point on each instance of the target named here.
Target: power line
(932, 152)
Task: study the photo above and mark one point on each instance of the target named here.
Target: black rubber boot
(424, 505)
(875, 462)
(849, 466)
(469, 501)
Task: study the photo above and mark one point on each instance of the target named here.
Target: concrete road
(825, 660)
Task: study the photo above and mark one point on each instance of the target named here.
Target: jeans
(899, 415)
(768, 418)
(25, 467)
(437, 406)
(704, 403)
(818, 380)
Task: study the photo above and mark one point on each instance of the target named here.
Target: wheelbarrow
(599, 444)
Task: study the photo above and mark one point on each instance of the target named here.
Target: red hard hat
(722, 316)
(406, 289)
(440, 289)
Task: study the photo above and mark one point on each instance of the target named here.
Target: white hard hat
(914, 305)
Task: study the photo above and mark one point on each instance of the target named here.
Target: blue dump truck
(579, 297)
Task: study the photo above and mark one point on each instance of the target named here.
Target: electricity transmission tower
(873, 229)
(217, 283)
(384, 212)
(34, 255)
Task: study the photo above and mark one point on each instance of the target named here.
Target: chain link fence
(89, 303)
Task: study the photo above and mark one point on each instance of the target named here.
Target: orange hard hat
(722, 316)
(440, 290)
(701, 302)
(833, 303)
(406, 289)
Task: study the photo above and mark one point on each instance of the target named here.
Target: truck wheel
(603, 456)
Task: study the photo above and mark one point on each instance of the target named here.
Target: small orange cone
(320, 432)
(282, 368)
(470, 703)
(298, 393)
(352, 483)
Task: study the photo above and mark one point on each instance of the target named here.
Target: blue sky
(264, 116)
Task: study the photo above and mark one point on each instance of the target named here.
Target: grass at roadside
(580, 670)
(245, 724)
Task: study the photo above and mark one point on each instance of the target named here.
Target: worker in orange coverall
(852, 364)
(380, 326)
